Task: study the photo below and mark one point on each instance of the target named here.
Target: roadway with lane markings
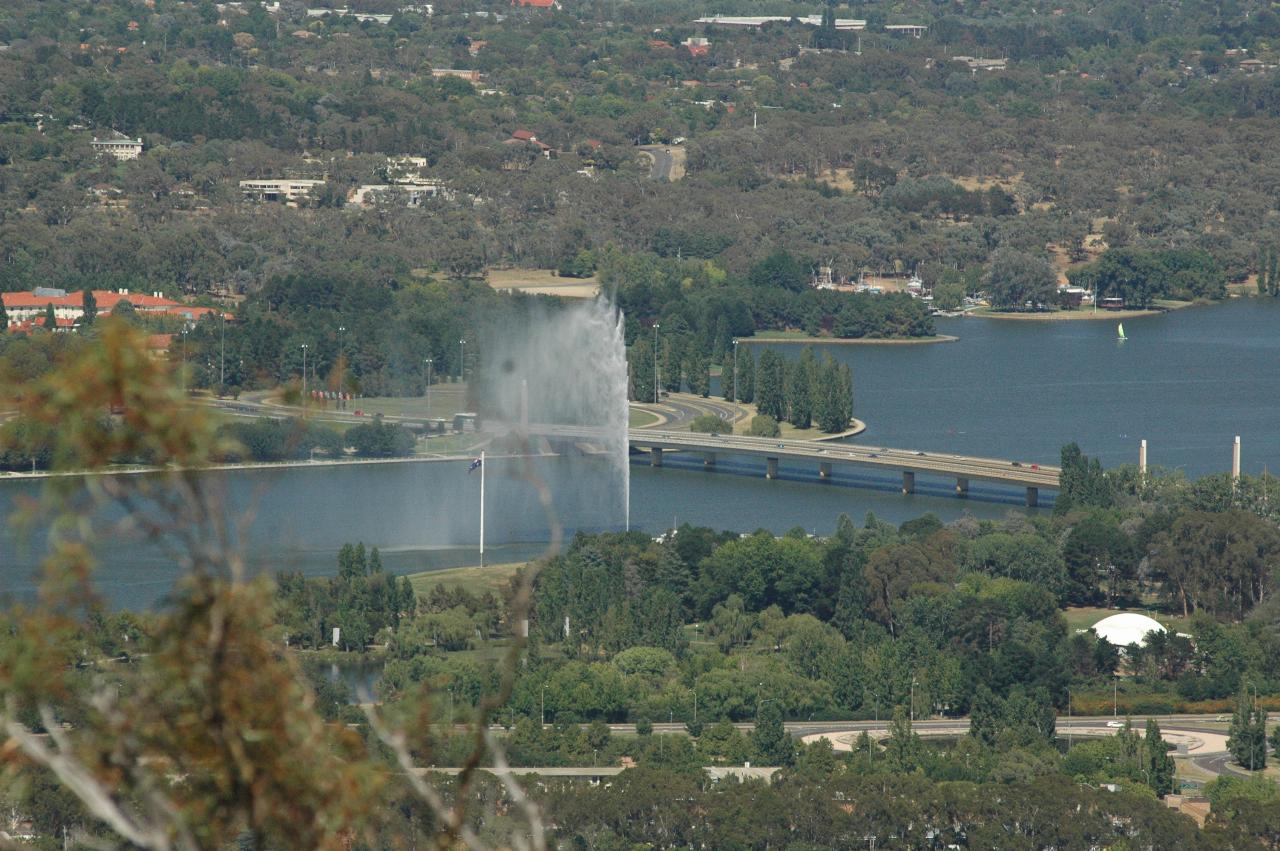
(962, 468)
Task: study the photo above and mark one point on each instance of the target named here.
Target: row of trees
(804, 392)
(361, 602)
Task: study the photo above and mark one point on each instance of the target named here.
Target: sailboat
(1120, 331)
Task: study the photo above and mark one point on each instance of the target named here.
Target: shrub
(763, 425)
(710, 424)
(380, 440)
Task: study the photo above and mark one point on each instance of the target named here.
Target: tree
(1222, 562)
(780, 270)
(671, 362)
(1097, 551)
(773, 744)
(799, 389)
(1247, 735)
(90, 308)
(640, 358)
(50, 318)
(949, 291)
(125, 311)
(379, 439)
(710, 424)
(763, 425)
(698, 372)
(1160, 766)
(746, 374)
(831, 407)
(4, 317)
(1083, 482)
(903, 748)
(770, 389)
(826, 36)
(1016, 280)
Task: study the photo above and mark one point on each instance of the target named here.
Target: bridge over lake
(827, 455)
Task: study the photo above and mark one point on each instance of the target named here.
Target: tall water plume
(554, 376)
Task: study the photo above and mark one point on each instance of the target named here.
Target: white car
(1115, 724)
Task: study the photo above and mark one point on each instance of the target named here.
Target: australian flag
(475, 465)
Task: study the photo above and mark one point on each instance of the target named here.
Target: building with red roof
(538, 4)
(27, 309)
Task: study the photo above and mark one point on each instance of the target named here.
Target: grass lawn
(641, 419)
(475, 580)
(446, 400)
(542, 282)
(782, 335)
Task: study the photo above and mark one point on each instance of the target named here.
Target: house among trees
(697, 46)
(290, 190)
(526, 137)
(119, 146)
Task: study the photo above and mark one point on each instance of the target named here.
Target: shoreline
(854, 341)
(1083, 315)
(14, 476)
(856, 427)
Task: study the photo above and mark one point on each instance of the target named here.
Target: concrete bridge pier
(962, 487)
(824, 470)
(709, 460)
(655, 457)
(1033, 497)
(771, 468)
(908, 482)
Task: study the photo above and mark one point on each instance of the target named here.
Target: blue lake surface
(1187, 381)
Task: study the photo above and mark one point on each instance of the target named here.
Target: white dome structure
(1126, 628)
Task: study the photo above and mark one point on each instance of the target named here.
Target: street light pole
(913, 699)
(656, 385)
(430, 362)
(544, 706)
(462, 360)
(735, 372)
(1253, 708)
(222, 357)
(304, 375)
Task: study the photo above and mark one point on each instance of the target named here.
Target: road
(678, 410)
(668, 162)
(1205, 745)
(898, 460)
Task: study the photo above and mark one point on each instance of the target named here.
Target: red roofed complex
(27, 310)
(540, 4)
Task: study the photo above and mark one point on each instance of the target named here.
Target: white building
(1127, 628)
(757, 21)
(410, 192)
(122, 148)
(288, 189)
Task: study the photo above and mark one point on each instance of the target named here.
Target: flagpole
(482, 471)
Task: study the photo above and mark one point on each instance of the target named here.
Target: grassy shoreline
(809, 339)
(1082, 315)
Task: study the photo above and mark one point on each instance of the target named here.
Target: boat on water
(1120, 331)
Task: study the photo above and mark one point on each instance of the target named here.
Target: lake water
(1188, 382)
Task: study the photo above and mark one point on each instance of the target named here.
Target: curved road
(667, 162)
(680, 409)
